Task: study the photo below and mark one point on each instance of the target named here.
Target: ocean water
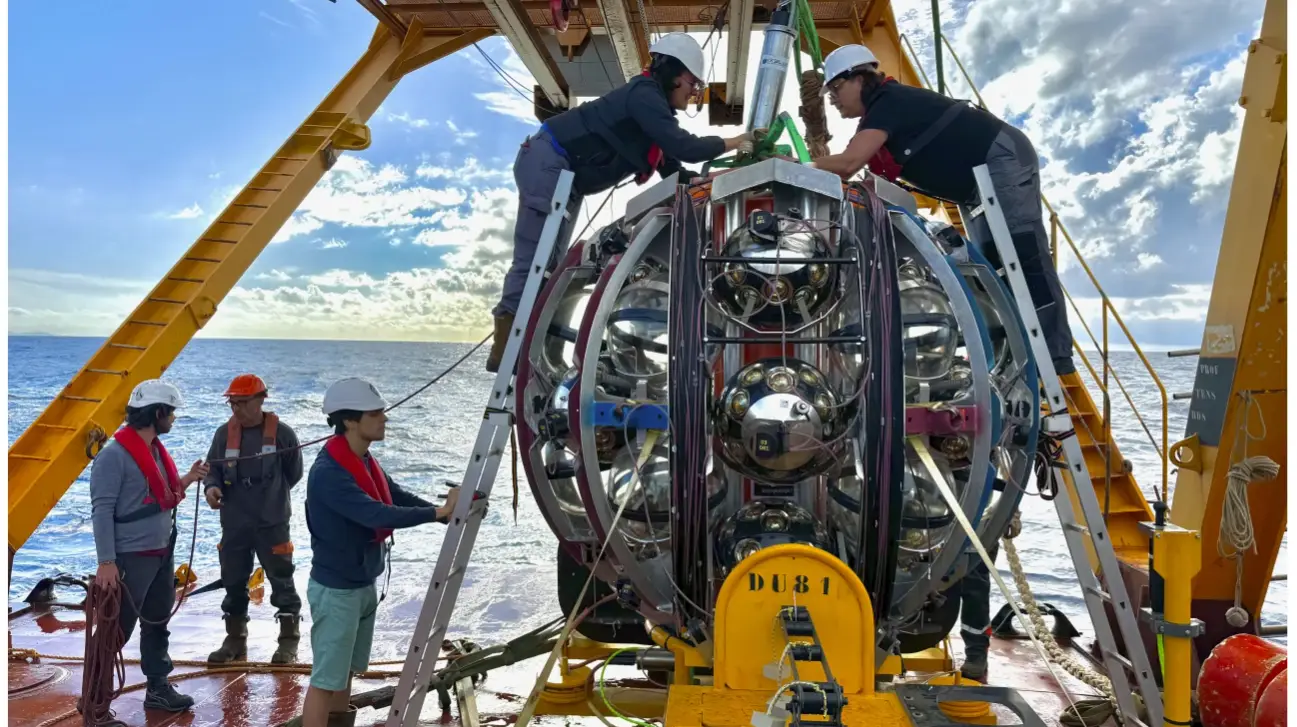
(510, 585)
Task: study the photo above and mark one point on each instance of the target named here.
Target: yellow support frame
(1240, 405)
(55, 450)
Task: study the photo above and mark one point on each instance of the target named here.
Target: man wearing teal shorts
(352, 506)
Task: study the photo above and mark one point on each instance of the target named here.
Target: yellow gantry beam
(53, 452)
(1240, 396)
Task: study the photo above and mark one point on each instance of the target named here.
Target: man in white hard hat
(134, 491)
(629, 131)
(352, 507)
(934, 142)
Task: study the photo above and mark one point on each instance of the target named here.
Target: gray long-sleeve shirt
(118, 489)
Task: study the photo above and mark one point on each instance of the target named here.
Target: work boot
(289, 636)
(343, 719)
(975, 670)
(161, 695)
(503, 324)
(235, 646)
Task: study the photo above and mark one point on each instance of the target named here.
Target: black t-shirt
(943, 168)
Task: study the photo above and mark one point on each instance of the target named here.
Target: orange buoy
(1234, 677)
(1272, 707)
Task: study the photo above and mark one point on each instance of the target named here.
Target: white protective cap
(353, 395)
(844, 59)
(155, 391)
(683, 48)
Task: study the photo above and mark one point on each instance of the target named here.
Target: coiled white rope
(1236, 516)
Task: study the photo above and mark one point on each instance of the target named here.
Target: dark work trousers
(535, 172)
(274, 549)
(975, 609)
(1015, 172)
(151, 582)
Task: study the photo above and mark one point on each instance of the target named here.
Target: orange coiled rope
(104, 641)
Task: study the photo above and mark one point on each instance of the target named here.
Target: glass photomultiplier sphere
(779, 421)
(771, 360)
(774, 284)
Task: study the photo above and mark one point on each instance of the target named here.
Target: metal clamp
(1191, 630)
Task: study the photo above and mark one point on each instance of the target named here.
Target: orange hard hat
(246, 385)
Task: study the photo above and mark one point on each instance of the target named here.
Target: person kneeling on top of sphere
(352, 507)
(629, 131)
(934, 142)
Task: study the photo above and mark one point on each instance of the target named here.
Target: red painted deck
(44, 690)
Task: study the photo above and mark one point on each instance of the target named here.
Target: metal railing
(1107, 311)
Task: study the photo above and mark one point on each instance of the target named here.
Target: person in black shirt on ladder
(631, 131)
(934, 142)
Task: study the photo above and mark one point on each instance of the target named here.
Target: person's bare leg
(315, 713)
(341, 698)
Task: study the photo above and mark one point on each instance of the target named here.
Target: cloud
(332, 244)
(405, 118)
(355, 193)
(273, 19)
(462, 137)
(469, 170)
(189, 213)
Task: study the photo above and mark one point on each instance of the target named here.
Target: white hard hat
(844, 59)
(353, 395)
(155, 391)
(683, 48)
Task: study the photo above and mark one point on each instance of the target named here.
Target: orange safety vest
(234, 435)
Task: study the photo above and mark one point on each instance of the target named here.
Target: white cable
(925, 456)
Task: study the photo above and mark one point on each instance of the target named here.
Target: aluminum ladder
(1120, 668)
(479, 476)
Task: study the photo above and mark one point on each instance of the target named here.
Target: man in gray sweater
(255, 462)
(134, 491)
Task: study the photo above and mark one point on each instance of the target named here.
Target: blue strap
(553, 142)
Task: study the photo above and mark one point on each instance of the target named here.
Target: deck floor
(44, 690)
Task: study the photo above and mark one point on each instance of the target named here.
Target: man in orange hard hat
(255, 461)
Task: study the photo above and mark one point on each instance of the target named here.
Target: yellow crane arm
(54, 450)
(1239, 408)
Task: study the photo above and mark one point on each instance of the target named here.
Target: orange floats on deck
(1272, 707)
(1234, 678)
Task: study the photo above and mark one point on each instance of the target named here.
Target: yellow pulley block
(970, 712)
(185, 577)
(257, 579)
(572, 687)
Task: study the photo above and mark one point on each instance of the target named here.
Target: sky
(130, 138)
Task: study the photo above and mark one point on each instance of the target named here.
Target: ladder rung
(131, 346)
(148, 323)
(167, 300)
(291, 159)
(107, 371)
(179, 279)
(31, 457)
(1077, 527)
(81, 398)
(56, 426)
(201, 259)
(1125, 663)
(232, 222)
(250, 206)
(218, 239)
(1107, 597)
(265, 189)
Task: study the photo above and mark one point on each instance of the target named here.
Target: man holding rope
(352, 506)
(255, 461)
(134, 491)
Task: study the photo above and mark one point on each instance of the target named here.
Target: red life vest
(882, 163)
(372, 482)
(166, 493)
(655, 156)
(234, 435)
